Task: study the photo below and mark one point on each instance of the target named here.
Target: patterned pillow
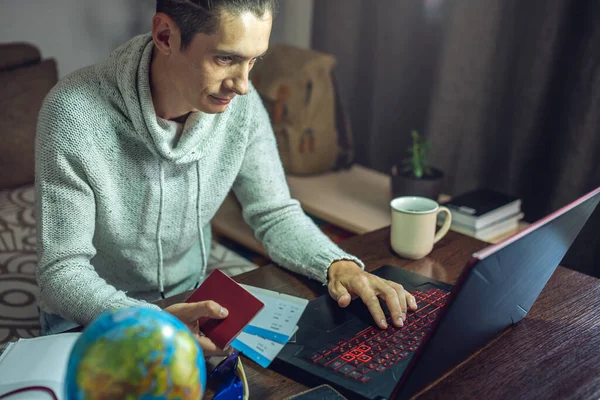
(19, 292)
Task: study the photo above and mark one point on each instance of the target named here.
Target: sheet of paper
(39, 361)
(258, 349)
(278, 319)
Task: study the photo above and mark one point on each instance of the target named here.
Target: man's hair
(203, 16)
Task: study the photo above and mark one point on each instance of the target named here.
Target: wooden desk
(552, 353)
(357, 200)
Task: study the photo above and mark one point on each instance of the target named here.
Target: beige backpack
(312, 129)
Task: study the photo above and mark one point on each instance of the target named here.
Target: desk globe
(136, 353)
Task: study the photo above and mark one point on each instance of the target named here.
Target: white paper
(258, 349)
(39, 361)
(278, 318)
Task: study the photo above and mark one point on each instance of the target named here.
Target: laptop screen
(497, 289)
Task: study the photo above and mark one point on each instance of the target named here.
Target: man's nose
(240, 81)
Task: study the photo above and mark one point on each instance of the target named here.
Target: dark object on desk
(341, 347)
(241, 304)
(497, 288)
(322, 392)
(404, 184)
(480, 208)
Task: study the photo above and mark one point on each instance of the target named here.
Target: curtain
(507, 92)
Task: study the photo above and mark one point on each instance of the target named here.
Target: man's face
(214, 68)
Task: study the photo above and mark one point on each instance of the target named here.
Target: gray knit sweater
(124, 205)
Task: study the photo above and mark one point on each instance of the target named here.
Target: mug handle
(445, 227)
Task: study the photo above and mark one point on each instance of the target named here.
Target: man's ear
(165, 33)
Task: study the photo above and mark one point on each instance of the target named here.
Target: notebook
(35, 369)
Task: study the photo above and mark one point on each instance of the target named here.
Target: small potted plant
(417, 177)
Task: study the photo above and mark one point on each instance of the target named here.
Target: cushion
(13, 55)
(22, 91)
(19, 317)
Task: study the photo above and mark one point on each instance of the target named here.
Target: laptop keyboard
(373, 350)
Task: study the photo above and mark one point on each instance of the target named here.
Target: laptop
(498, 286)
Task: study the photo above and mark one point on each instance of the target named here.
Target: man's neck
(164, 95)
(181, 119)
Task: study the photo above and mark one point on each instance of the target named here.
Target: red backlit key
(364, 358)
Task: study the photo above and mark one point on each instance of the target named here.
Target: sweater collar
(200, 128)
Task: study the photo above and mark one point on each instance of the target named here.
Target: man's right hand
(191, 313)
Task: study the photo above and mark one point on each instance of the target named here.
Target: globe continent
(136, 353)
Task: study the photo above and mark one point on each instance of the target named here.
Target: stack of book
(484, 214)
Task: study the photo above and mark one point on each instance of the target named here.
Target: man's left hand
(347, 279)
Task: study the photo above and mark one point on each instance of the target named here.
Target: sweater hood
(131, 65)
(127, 73)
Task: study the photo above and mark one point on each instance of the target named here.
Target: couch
(25, 79)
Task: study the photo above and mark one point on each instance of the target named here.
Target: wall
(293, 23)
(82, 32)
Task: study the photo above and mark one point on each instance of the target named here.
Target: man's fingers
(210, 349)
(207, 309)
(195, 314)
(393, 294)
(207, 345)
(411, 301)
(339, 293)
(372, 302)
(401, 293)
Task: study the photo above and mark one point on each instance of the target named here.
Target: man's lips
(221, 100)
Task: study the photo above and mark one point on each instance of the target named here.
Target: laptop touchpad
(325, 314)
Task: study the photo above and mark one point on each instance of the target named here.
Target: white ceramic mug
(414, 221)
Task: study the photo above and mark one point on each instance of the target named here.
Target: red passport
(241, 304)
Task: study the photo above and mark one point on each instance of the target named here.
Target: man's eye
(224, 60)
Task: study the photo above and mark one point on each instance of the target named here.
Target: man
(136, 154)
